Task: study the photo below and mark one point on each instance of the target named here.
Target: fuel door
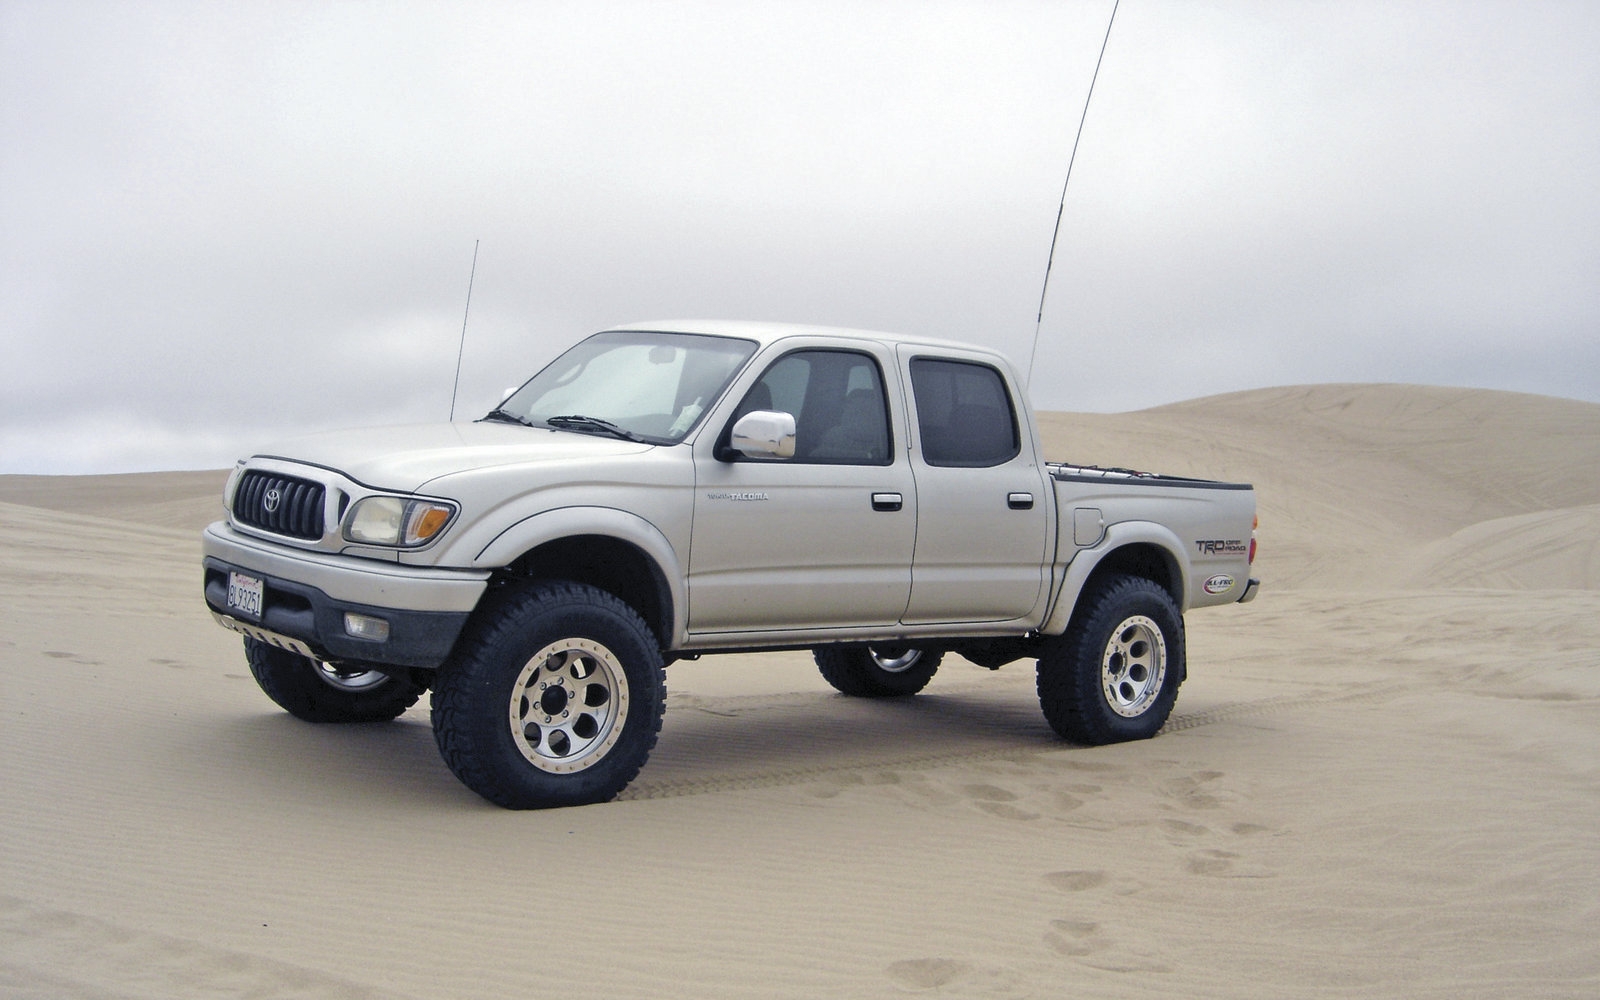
(1088, 527)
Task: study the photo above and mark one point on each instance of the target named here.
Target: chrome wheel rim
(568, 705)
(346, 679)
(1134, 666)
(894, 659)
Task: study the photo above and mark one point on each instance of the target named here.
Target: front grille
(283, 505)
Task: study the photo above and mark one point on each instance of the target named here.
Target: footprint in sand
(1065, 802)
(1067, 798)
(1210, 862)
(1189, 793)
(1224, 864)
(1074, 937)
(1100, 947)
(57, 654)
(927, 973)
(989, 793)
(1075, 881)
(995, 801)
(923, 975)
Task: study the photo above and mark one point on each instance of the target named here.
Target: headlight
(396, 521)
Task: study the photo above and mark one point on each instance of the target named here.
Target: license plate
(244, 595)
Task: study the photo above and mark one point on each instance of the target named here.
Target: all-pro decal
(1219, 584)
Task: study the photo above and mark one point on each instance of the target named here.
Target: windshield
(649, 386)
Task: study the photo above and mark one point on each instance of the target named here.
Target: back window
(964, 414)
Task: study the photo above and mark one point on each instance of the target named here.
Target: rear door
(983, 517)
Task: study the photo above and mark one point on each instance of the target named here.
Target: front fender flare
(566, 522)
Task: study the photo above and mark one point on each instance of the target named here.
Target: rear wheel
(1114, 675)
(877, 671)
(554, 698)
(328, 692)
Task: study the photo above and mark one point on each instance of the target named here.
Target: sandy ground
(1382, 778)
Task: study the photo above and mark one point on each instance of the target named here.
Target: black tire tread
(850, 670)
(1068, 676)
(291, 681)
(462, 683)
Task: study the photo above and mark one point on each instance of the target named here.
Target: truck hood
(407, 456)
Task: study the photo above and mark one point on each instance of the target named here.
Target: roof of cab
(766, 333)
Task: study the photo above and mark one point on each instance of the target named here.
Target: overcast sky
(221, 224)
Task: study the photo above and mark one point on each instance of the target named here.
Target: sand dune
(1382, 778)
(188, 500)
(1543, 550)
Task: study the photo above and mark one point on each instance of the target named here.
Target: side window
(964, 414)
(840, 413)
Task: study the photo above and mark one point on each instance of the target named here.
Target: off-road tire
(321, 692)
(553, 697)
(876, 671)
(1114, 675)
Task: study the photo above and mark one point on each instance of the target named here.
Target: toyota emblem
(271, 500)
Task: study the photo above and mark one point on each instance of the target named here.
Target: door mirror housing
(764, 434)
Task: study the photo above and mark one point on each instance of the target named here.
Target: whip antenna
(1037, 323)
(463, 347)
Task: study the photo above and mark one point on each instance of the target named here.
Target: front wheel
(1114, 675)
(554, 698)
(876, 671)
(328, 692)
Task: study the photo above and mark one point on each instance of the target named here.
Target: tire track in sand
(712, 745)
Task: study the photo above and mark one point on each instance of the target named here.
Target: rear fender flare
(1118, 536)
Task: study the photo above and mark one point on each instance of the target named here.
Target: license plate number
(244, 594)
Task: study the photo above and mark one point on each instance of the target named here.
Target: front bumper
(307, 595)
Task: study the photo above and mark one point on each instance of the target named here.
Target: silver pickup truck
(664, 490)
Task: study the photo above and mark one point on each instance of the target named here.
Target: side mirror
(764, 434)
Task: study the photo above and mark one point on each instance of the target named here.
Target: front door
(822, 539)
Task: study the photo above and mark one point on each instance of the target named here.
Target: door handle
(887, 501)
(1020, 501)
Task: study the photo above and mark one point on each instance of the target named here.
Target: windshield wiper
(582, 424)
(508, 417)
